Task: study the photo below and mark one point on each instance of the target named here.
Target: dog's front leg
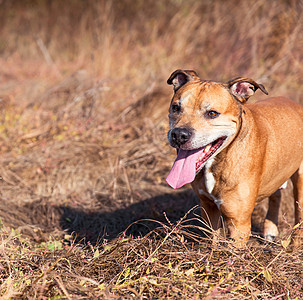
(270, 230)
(238, 219)
(211, 215)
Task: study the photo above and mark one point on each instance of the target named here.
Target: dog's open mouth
(208, 151)
(190, 162)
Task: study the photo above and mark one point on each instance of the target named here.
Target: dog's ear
(243, 88)
(180, 77)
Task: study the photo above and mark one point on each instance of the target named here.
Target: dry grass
(163, 264)
(84, 151)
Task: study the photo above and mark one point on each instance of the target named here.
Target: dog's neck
(222, 170)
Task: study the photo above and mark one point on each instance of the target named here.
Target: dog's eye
(212, 114)
(176, 108)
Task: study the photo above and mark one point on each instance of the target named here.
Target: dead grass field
(85, 211)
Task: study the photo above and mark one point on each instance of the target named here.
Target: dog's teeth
(207, 148)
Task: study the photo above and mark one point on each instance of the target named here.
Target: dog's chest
(207, 184)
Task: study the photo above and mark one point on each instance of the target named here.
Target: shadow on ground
(42, 218)
(139, 218)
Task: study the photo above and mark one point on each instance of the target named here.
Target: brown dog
(235, 154)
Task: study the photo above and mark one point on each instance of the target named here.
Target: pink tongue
(184, 168)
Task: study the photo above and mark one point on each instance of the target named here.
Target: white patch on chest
(283, 186)
(209, 177)
(217, 201)
(209, 181)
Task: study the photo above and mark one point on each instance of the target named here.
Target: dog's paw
(270, 230)
(270, 238)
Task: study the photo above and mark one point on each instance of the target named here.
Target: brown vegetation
(84, 152)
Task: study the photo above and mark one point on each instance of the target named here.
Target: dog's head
(204, 118)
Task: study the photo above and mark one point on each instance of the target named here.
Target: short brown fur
(265, 150)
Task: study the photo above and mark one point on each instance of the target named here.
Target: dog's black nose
(180, 136)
